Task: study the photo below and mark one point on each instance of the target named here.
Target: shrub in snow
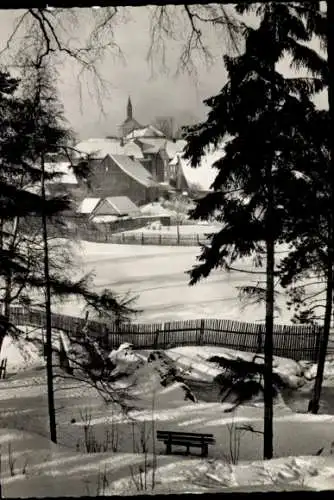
(124, 360)
(189, 395)
(241, 381)
(155, 355)
(166, 367)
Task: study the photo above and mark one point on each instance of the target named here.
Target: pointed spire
(129, 110)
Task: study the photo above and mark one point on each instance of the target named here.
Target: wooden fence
(293, 341)
(158, 238)
(137, 238)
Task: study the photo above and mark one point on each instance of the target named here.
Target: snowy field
(32, 466)
(157, 275)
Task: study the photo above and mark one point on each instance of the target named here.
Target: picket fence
(292, 341)
(138, 238)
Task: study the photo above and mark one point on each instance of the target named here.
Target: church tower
(129, 114)
(130, 123)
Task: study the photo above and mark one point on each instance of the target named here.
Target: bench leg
(188, 449)
(205, 450)
(169, 448)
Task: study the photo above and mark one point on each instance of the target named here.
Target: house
(155, 159)
(108, 209)
(199, 179)
(100, 148)
(114, 208)
(120, 175)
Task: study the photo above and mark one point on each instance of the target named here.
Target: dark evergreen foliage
(263, 116)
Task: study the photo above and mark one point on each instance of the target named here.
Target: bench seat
(188, 439)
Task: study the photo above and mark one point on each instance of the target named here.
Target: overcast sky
(152, 95)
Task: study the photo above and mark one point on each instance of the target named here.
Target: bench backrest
(185, 436)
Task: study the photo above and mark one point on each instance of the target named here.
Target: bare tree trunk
(48, 334)
(316, 393)
(2, 331)
(7, 282)
(269, 323)
(314, 403)
(8, 277)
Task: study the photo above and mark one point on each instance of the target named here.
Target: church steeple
(129, 110)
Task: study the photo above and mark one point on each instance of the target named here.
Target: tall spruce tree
(16, 202)
(309, 270)
(32, 128)
(263, 112)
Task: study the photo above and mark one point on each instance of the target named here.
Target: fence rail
(137, 238)
(141, 238)
(292, 341)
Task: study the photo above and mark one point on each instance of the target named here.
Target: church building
(129, 124)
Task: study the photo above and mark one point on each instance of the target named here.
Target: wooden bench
(187, 439)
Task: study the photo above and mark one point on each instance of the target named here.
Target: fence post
(259, 340)
(156, 339)
(317, 343)
(160, 239)
(122, 237)
(142, 239)
(201, 332)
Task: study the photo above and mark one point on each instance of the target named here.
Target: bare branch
(13, 34)
(186, 23)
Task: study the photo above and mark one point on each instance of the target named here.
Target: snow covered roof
(152, 145)
(88, 205)
(201, 177)
(66, 174)
(100, 148)
(120, 205)
(123, 205)
(172, 148)
(149, 131)
(134, 169)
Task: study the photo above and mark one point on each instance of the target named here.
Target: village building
(196, 180)
(120, 175)
(129, 124)
(96, 148)
(108, 209)
(142, 165)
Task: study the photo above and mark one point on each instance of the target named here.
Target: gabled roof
(173, 148)
(153, 144)
(149, 131)
(88, 205)
(134, 169)
(201, 177)
(117, 205)
(100, 148)
(65, 174)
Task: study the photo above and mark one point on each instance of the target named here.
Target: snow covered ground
(32, 466)
(157, 276)
(41, 469)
